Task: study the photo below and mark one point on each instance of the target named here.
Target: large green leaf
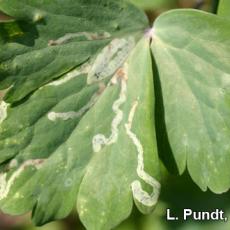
(224, 8)
(81, 138)
(77, 122)
(192, 53)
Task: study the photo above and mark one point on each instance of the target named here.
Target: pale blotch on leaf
(110, 59)
(139, 194)
(3, 111)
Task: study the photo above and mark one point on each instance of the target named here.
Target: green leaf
(224, 8)
(150, 5)
(53, 37)
(82, 137)
(77, 123)
(192, 53)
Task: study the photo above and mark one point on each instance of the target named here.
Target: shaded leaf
(192, 52)
(30, 56)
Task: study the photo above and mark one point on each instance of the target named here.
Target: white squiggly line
(53, 116)
(138, 193)
(6, 185)
(87, 35)
(72, 74)
(100, 139)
